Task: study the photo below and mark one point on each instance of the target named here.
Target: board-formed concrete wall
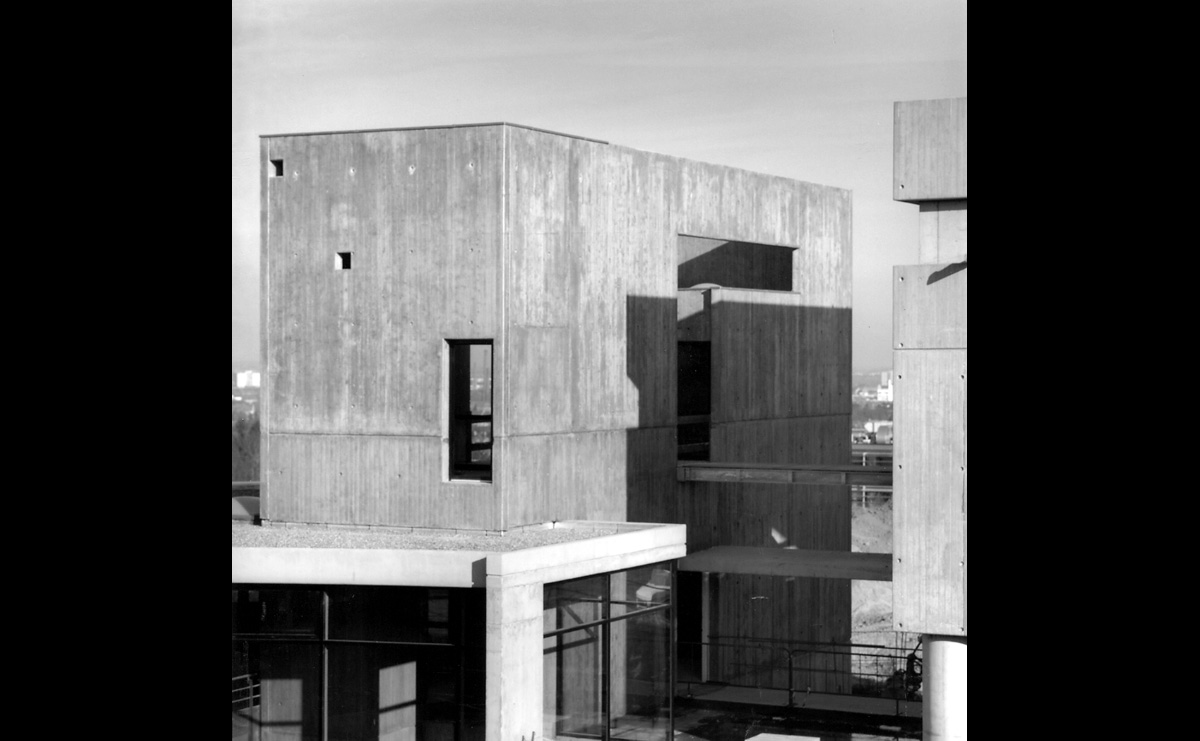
(562, 251)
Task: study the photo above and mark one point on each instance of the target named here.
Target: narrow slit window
(343, 260)
(695, 400)
(470, 399)
(276, 170)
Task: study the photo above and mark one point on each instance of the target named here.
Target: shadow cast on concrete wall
(650, 361)
(780, 393)
(946, 272)
(734, 264)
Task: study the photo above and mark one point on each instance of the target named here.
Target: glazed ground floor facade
(512, 652)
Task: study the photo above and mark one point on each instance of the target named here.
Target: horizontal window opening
(731, 264)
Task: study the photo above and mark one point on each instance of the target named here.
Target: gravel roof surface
(246, 535)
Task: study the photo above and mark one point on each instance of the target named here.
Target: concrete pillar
(514, 659)
(618, 652)
(944, 687)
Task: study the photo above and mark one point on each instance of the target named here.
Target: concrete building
(247, 379)
(930, 410)
(505, 371)
(884, 391)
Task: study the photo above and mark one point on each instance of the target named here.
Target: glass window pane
(384, 614)
(641, 667)
(481, 379)
(277, 612)
(575, 602)
(469, 436)
(573, 669)
(641, 588)
(276, 690)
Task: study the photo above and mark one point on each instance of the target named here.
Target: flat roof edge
(425, 128)
(358, 566)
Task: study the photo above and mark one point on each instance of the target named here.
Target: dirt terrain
(871, 601)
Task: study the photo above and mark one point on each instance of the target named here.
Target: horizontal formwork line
(667, 427)
(353, 434)
(776, 419)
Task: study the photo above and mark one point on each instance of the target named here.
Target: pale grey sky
(798, 88)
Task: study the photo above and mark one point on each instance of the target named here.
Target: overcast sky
(798, 88)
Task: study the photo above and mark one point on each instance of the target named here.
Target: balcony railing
(794, 671)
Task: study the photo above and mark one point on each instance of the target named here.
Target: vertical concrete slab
(514, 659)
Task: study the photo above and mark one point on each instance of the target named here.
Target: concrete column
(514, 659)
(944, 687)
(618, 652)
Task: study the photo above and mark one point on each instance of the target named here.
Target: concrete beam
(730, 559)
(784, 473)
(641, 544)
(358, 566)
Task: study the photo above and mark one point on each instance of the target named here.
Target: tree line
(245, 448)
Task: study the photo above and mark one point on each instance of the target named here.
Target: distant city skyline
(797, 88)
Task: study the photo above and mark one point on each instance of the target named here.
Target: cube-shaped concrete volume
(561, 252)
(930, 150)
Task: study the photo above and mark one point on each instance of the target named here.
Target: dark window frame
(464, 452)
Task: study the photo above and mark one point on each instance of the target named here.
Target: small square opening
(276, 169)
(343, 260)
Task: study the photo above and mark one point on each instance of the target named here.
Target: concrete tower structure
(930, 409)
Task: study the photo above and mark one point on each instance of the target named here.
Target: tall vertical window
(470, 385)
(607, 670)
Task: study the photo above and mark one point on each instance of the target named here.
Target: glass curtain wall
(607, 660)
(327, 663)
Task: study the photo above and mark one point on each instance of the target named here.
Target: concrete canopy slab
(358, 566)
(583, 548)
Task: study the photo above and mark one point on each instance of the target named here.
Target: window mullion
(324, 666)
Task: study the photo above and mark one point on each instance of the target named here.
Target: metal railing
(247, 692)
(870, 454)
(872, 670)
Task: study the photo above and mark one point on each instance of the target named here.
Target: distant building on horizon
(884, 392)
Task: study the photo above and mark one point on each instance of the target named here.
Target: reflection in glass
(276, 691)
(470, 421)
(574, 683)
(277, 612)
(607, 668)
(384, 614)
(642, 693)
(376, 665)
(576, 602)
(373, 692)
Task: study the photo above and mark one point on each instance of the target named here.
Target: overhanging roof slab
(631, 545)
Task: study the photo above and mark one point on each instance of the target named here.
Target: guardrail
(859, 669)
(247, 692)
